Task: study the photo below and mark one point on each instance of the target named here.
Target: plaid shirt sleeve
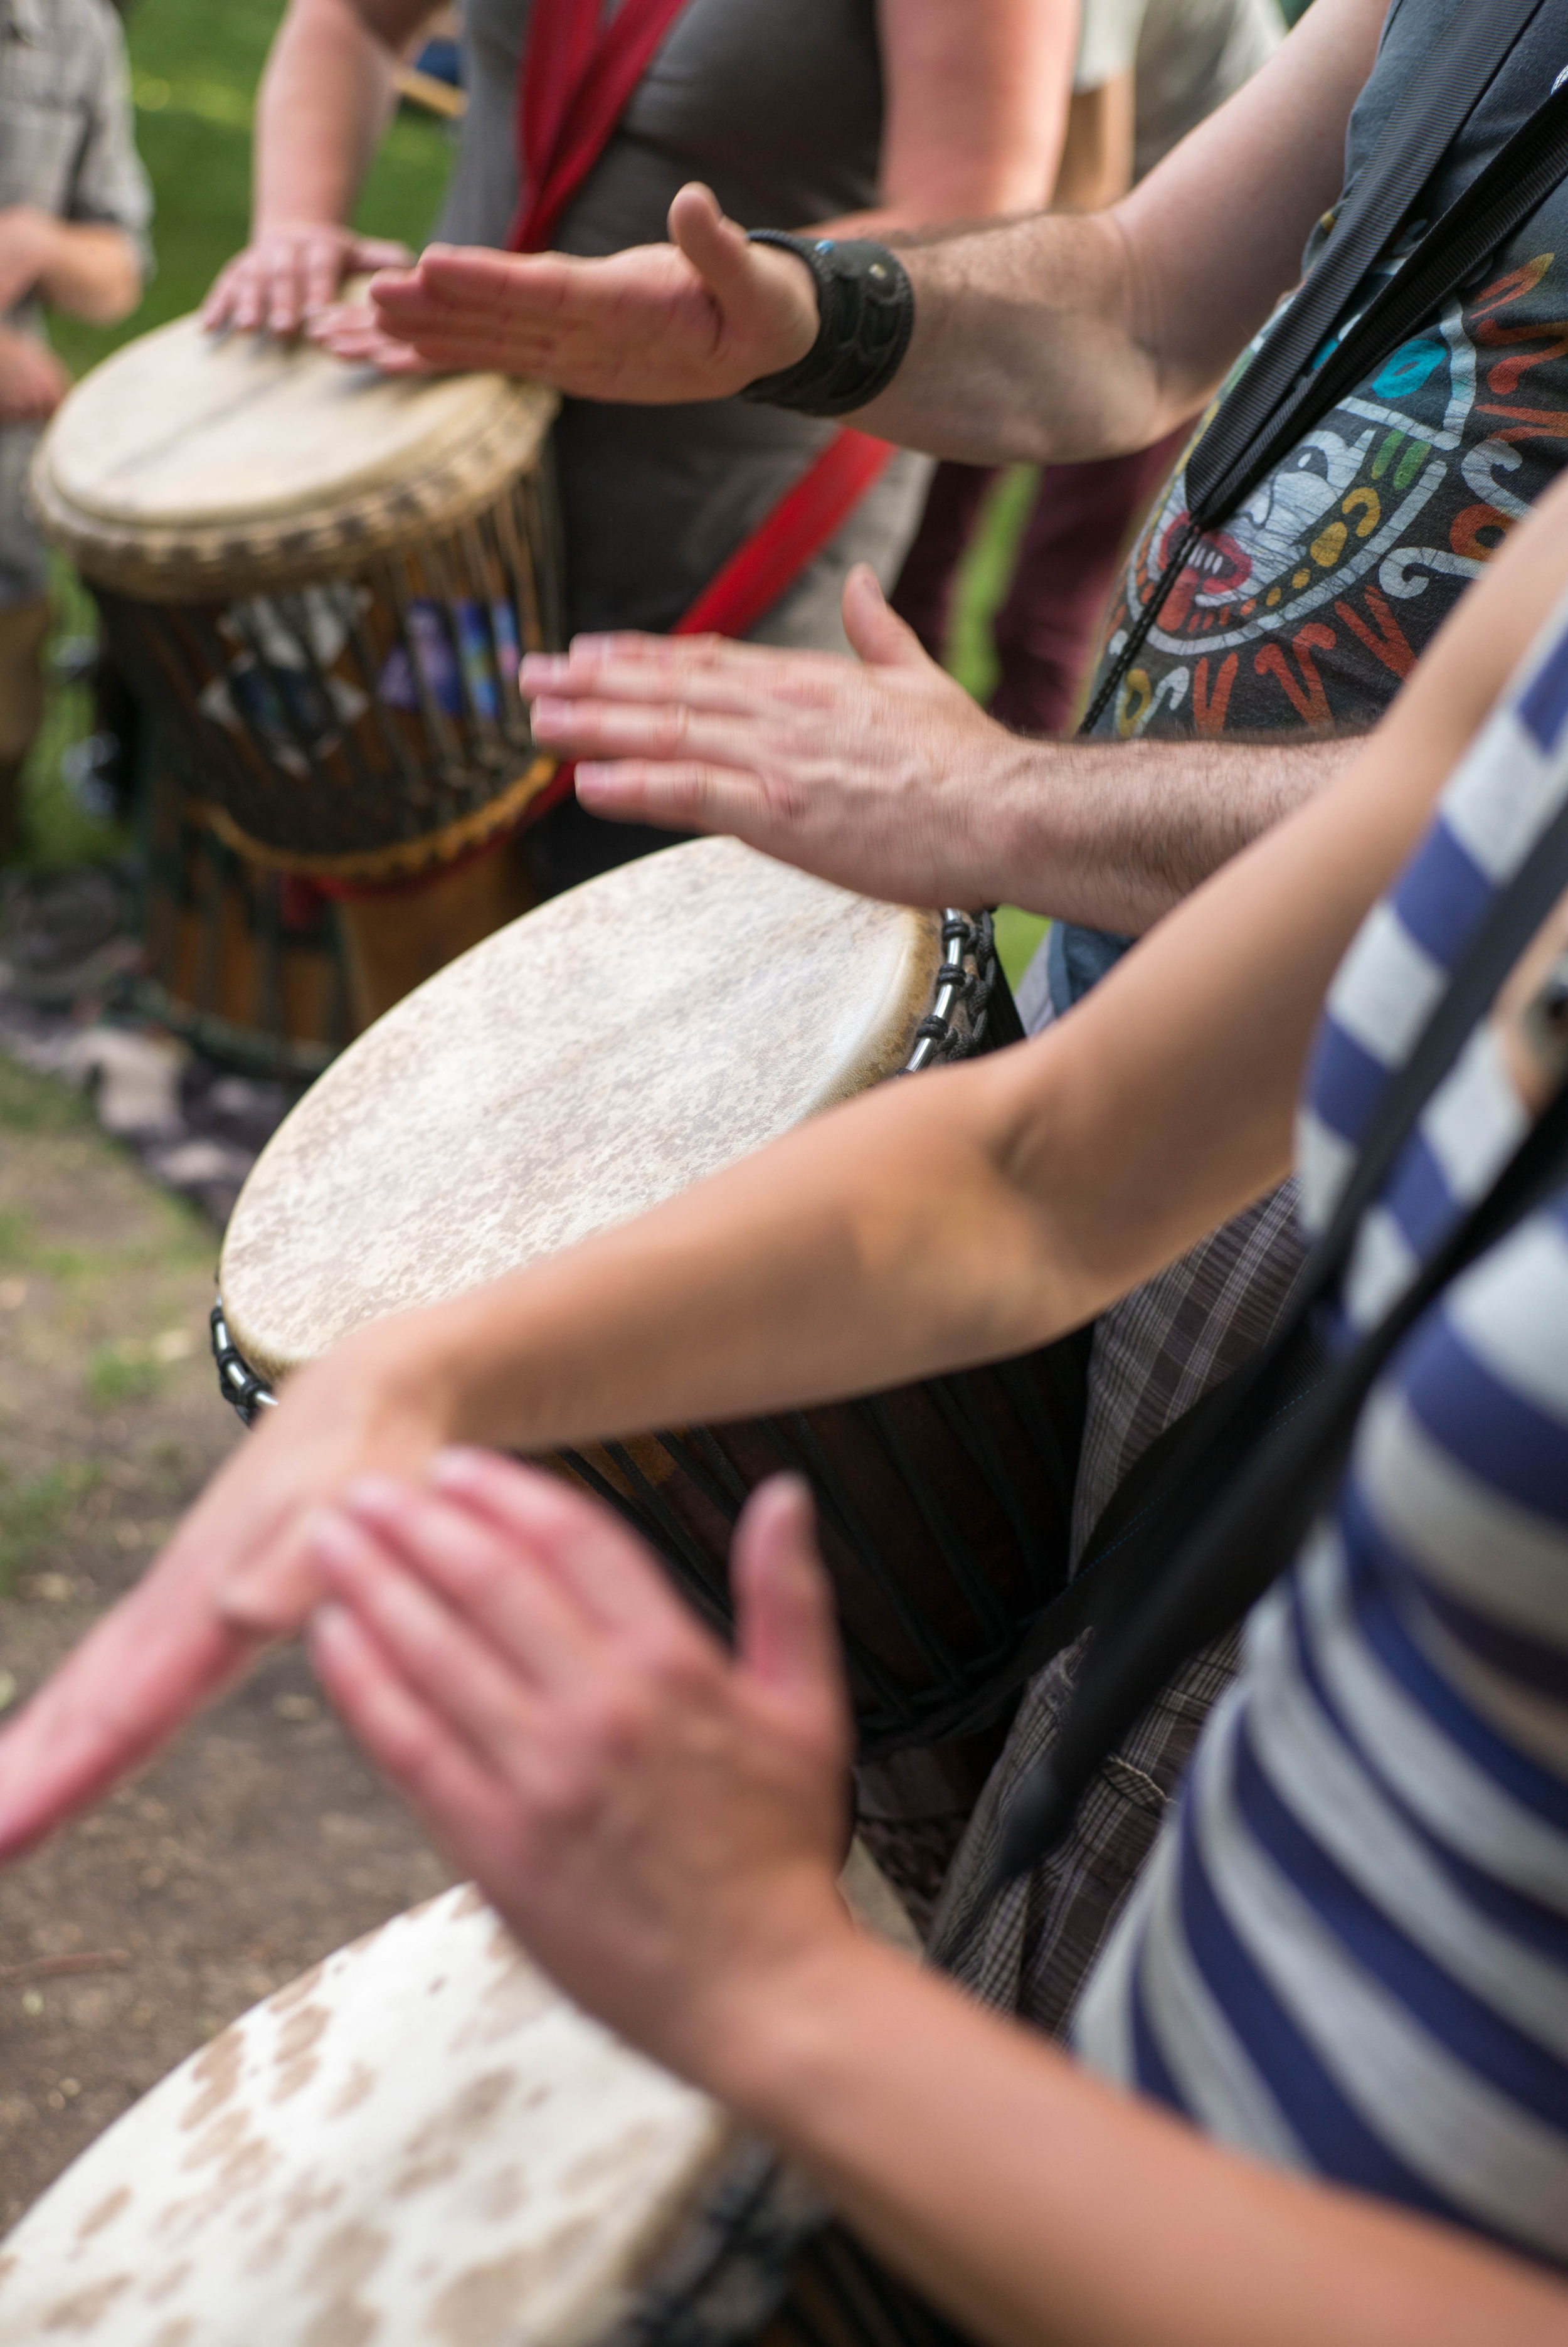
(109, 185)
(67, 140)
(66, 147)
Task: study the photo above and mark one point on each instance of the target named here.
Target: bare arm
(1059, 338)
(325, 98)
(885, 777)
(661, 1826)
(86, 267)
(967, 1216)
(976, 113)
(977, 99)
(1052, 337)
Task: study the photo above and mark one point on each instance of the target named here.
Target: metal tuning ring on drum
(238, 1383)
(966, 938)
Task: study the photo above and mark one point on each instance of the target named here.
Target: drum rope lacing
(937, 1038)
(952, 1030)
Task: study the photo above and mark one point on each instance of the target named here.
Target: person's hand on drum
(881, 774)
(661, 1825)
(292, 273)
(698, 318)
(353, 331)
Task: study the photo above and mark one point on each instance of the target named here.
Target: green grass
(34, 1104)
(33, 1513)
(983, 578)
(183, 1238)
(1018, 934)
(122, 1371)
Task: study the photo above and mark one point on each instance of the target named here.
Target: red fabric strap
(578, 79)
(772, 559)
(786, 538)
(577, 82)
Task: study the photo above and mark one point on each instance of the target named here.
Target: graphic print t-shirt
(1316, 599)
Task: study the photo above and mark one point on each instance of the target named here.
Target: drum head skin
(573, 1071)
(418, 2144)
(189, 463)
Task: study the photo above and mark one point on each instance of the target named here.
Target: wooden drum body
(323, 581)
(244, 960)
(595, 1058)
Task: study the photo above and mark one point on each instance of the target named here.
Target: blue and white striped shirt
(1349, 1950)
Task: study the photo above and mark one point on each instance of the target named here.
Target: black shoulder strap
(1447, 92)
(1217, 1507)
(1282, 394)
(1256, 1525)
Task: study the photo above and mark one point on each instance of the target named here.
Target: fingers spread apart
(591, 1557)
(484, 1698)
(462, 1803)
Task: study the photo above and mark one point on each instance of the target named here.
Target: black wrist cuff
(866, 305)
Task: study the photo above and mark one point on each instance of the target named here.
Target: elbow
(122, 303)
(114, 295)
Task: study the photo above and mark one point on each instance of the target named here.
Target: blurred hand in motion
(292, 272)
(32, 380)
(659, 1824)
(881, 774)
(353, 331)
(168, 1648)
(695, 319)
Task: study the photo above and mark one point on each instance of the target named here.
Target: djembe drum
(600, 1055)
(242, 960)
(422, 2144)
(323, 579)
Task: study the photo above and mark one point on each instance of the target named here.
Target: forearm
(325, 98)
(975, 104)
(1058, 339)
(875, 1245)
(92, 272)
(966, 1215)
(1042, 2209)
(1114, 835)
(1026, 345)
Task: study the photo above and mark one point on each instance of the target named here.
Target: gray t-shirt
(65, 148)
(780, 110)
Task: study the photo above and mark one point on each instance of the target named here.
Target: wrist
(1023, 851)
(399, 1372)
(775, 2039)
(866, 315)
(325, 222)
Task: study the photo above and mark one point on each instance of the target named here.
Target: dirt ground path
(260, 1841)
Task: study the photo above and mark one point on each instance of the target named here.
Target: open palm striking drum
(593, 1060)
(422, 2144)
(323, 581)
